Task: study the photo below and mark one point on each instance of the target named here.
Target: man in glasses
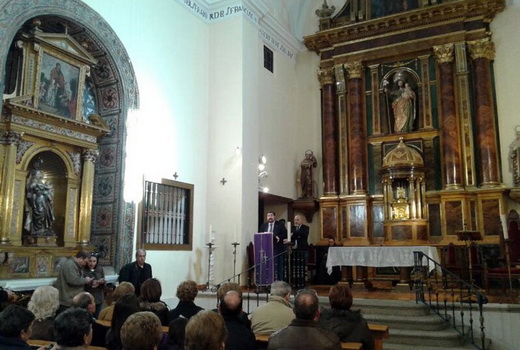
(303, 332)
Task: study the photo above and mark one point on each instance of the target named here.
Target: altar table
(378, 256)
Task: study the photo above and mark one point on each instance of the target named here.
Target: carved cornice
(326, 76)
(354, 69)
(482, 48)
(444, 53)
(10, 138)
(409, 20)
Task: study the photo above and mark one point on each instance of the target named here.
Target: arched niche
(115, 90)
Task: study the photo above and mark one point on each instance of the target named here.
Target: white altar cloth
(378, 256)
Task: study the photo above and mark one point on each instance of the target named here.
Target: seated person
(176, 335)
(141, 331)
(186, 292)
(348, 325)
(223, 289)
(125, 306)
(86, 301)
(277, 313)
(73, 329)
(123, 288)
(205, 331)
(150, 299)
(15, 328)
(240, 336)
(44, 304)
(322, 275)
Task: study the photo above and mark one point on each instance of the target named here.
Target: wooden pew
(379, 332)
(107, 324)
(262, 340)
(49, 344)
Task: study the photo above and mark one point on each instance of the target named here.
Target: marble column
(329, 133)
(450, 124)
(482, 52)
(9, 141)
(87, 184)
(357, 130)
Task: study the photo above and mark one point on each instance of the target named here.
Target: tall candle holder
(235, 244)
(210, 255)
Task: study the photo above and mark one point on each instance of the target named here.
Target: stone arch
(118, 94)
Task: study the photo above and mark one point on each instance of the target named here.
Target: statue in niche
(402, 98)
(514, 158)
(39, 213)
(306, 175)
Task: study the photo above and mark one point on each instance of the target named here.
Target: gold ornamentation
(482, 48)
(326, 76)
(325, 10)
(355, 69)
(90, 155)
(444, 53)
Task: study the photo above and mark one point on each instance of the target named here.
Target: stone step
(385, 307)
(424, 323)
(445, 338)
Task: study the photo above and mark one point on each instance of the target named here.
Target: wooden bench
(49, 344)
(379, 332)
(262, 340)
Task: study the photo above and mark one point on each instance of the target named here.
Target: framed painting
(19, 266)
(59, 86)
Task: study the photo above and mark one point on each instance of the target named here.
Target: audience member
(322, 274)
(72, 329)
(44, 304)
(123, 288)
(240, 336)
(150, 300)
(15, 328)
(125, 306)
(229, 286)
(205, 331)
(85, 301)
(176, 335)
(303, 332)
(70, 281)
(141, 331)
(186, 292)
(96, 286)
(347, 324)
(137, 271)
(277, 313)
(6, 295)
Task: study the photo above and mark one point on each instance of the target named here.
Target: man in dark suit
(279, 235)
(137, 271)
(300, 253)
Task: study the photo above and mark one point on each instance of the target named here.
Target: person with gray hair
(137, 271)
(303, 332)
(277, 313)
(44, 304)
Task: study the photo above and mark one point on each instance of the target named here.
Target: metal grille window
(166, 215)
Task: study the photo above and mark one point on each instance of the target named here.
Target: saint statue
(39, 214)
(514, 158)
(306, 175)
(403, 102)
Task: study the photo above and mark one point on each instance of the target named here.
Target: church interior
(176, 126)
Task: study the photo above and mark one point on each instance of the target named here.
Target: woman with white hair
(43, 304)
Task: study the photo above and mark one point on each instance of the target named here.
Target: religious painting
(382, 8)
(19, 265)
(58, 87)
(43, 265)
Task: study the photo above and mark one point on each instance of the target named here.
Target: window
(268, 59)
(166, 219)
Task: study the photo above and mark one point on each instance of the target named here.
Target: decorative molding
(444, 53)
(10, 138)
(23, 146)
(269, 29)
(76, 162)
(326, 76)
(355, 69)
(482, 48)
(90, 155)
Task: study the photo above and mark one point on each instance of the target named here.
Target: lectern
(264, 271)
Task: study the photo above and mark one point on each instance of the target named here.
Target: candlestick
(210, 230)
(289, 230)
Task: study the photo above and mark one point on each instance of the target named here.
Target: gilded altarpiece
(48, 150)
(413, 83)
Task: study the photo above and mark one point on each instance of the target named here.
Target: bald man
(240, 336)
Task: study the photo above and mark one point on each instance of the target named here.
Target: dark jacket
(348, 325)
(159, 308)
(43, 329)
(134, 274)
(240, 336)
(300, 236)
(185, 309)
(303, 335)
(279, 231)
(13, 344)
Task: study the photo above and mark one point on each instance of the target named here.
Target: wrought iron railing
(456, 301)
